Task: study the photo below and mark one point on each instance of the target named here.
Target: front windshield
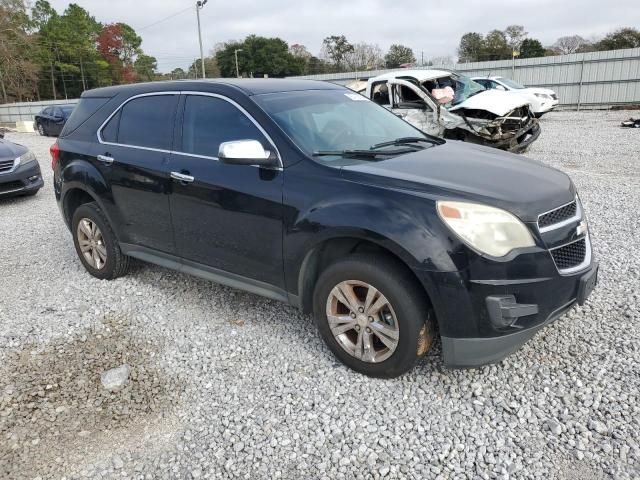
(465, 88)
(510, 83)
(335, 121)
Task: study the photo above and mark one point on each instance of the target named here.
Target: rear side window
(143, 122)
(209, 121)
(82, 112)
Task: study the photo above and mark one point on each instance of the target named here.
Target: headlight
(26, 158)
(490, 230)
(542, 95)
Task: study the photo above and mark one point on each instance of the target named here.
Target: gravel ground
(225, 384)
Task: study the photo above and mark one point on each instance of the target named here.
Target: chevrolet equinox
(308, 193)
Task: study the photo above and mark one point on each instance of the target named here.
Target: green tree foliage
(471, 47)
(259, 56)
(334, 50)
(622, 38)
(18, 72)
(211, 69)
(531, 48)
(47, 54)
(496, 46)
(398, 55)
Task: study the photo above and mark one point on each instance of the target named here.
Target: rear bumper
(24, 180)
(473, 334)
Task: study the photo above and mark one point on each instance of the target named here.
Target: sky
(430, 27)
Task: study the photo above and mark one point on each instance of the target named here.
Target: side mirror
(246, 152)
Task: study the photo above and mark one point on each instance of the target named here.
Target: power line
(165, 18)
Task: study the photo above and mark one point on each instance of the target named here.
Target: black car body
(19, 170)
(274, 226)
(51, 120)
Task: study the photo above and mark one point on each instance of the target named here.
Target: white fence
(593, 79)
(15, 112)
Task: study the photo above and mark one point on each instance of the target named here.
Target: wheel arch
(329, 250)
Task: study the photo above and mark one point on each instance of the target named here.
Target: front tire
(372, 315)
(96, 243)
(41, 130)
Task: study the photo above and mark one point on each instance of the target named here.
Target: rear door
(57, 121)
(228, 217)
(133, 155)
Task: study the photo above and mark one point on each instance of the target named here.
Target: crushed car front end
(514, 132)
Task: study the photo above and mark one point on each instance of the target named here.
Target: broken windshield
(465, 88)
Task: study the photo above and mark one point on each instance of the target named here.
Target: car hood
(457, 170)
(494, 101)
(10, 150)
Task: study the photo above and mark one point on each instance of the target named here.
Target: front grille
(570, 255)
(6, 165)
(517, 119)
(10, 186)
(558, 215)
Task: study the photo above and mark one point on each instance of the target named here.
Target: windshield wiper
(360, 153)
(401, 141)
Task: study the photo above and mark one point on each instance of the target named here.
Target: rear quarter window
(82, 112)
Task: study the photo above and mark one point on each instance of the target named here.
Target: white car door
(411, 103)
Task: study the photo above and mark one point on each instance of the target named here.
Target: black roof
(250, 86)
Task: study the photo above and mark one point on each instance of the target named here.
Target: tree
(569, 44)
(260, 56)
(515, 35)
(471, 47)
(442, 60)
(145, 67)
(298, 50)
(622, 38)
(531, 48)
(211, 69)
(398, 55)
(335, 48)
(18, 73)
(364, 56)
(496, 46)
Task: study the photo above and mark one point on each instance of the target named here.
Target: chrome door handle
(182, 177)
(105, 159)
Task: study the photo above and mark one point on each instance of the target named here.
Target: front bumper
(473, 334)
(24, 180)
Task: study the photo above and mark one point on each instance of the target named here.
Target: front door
(226, 217)
(412, 104)
(133, 155)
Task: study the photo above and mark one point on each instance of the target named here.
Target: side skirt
(206, 272)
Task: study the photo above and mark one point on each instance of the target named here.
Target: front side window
(210, 121)
(143, 122)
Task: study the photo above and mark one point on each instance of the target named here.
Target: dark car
(308, 193)
(50, 121)
(19, 170)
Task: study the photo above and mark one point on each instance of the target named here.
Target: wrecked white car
(452, 106)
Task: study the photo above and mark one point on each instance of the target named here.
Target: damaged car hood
(494, 101)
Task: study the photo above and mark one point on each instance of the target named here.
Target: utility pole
(53, 79)
(236, 54)
(199, 5)
(84, 85)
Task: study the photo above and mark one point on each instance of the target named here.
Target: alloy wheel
(91, 243)
(362, 321)
(41, 129)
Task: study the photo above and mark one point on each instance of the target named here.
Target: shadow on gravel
(56, 417)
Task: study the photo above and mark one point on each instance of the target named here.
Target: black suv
(308, 193)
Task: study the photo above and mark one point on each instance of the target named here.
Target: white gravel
(224, 384)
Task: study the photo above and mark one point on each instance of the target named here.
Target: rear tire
(376, 341)
(96, 243)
